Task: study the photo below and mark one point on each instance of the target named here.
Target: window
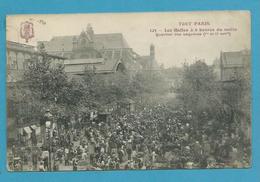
(117, 54)
(27, 61)
(13, 60)
(25, 65)
(108, 54)
(8, 62)
(20, 61)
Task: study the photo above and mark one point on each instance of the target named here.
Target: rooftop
(100, 65)
(233, 59)
(19, 46)
(101, 41)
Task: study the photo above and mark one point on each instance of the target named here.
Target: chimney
(90, 32)
(75, 43)
(152, 51)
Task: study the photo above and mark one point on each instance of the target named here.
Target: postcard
(128, 91)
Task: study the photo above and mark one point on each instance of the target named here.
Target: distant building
(229, 68)
(104, 53)
(231, 65)
(149, 62)
(17, 59)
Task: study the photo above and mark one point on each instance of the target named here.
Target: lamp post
(48, 125)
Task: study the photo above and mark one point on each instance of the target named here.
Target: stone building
(149, 62)
(18, 57)
(104, 53)
(231, 65)
(233, 70)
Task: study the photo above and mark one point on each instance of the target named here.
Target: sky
(138, 28)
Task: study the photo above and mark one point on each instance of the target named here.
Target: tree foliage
(149, 82)
(198, 87)
(47, 86)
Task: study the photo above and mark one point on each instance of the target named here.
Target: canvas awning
(45, 154)
(37, 129)
(48, 124)
(20, 131)
(34, 127)
(27, 130)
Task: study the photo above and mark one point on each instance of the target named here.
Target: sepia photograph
(128, 91)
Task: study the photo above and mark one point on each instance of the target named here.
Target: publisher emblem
(26, 30)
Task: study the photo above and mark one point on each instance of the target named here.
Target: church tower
(90, 33)
(152, 57)
(74, 43)
(83, 46)
(83, 40)
(152, 51)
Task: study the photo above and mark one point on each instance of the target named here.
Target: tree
(107, 89)
(44, 85)
(149, 82)
(198, 87)
(45, 81)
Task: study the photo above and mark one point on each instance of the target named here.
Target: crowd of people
(154, 137)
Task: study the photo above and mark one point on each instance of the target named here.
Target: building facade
(232, 65)
(18, 57)
(104, 53)
(148, 62)
(233, 70)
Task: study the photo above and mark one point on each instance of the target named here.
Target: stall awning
(27, 130)
(34, 127)
(20, 131)
(48, 124)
